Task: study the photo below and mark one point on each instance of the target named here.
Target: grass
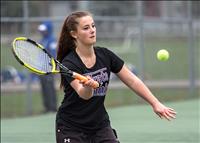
(133, 123)
(16, 105)
(138, 124)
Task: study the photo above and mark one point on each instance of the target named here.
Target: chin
(92, 42)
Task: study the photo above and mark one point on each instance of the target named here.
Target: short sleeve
(116, 62)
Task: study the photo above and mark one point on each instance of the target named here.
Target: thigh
(106, 135)
(66, 136)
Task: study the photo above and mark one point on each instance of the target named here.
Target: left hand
(164, 112)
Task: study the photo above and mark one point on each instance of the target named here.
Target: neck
(87, 55)
(85, 51)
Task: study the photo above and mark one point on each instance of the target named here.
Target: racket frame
(54, 62)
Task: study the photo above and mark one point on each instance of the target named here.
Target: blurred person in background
(47, 81)
(11, 74)
(82, 117)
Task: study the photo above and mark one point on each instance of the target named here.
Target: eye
(86, 28)
(93, 25)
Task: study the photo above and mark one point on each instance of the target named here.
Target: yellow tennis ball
(163, 55)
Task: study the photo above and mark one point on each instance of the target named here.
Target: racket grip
(83, 78)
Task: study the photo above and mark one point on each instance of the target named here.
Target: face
(86, 31)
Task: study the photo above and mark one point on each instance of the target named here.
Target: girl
(82, 117)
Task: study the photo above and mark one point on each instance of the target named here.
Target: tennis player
(82, 117)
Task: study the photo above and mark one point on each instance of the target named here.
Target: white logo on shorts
(67, 140)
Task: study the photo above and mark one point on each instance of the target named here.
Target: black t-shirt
(76, 113)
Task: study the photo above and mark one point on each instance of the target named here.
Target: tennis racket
(35, 57)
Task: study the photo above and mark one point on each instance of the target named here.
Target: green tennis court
(135, 124)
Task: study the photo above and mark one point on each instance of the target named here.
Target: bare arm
(135, 84)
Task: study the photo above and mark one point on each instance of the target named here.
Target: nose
(92, 29)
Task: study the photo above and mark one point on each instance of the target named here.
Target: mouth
(92, 36)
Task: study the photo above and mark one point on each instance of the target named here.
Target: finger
(82, 81)
(88, 77)
(166, 116)
(172, 110)
(89, 83)
(170, 115)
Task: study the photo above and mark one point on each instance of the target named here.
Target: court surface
(134, 124)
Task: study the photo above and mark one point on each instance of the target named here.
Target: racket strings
(33, 55)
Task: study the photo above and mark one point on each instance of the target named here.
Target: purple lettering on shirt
(100, 76)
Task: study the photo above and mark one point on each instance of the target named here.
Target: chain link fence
(135, 34)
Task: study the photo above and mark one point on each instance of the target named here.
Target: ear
(73, 34)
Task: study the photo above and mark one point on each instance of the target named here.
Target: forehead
(86, 20)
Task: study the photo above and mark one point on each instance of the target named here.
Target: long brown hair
(66, 42)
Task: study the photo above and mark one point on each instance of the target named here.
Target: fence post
(191, 48)
(26, 32)
(140, 19)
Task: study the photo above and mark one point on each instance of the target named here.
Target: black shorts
(105, 135)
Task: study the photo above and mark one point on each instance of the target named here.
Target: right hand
(89, 83)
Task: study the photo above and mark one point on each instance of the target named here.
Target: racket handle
(83, 78)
